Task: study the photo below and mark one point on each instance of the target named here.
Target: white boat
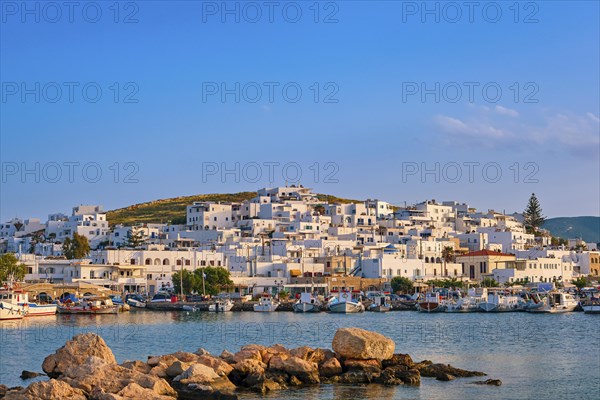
(20, 299)
(556, 302)
(221, 306)
(306, 303)
(9, 309)
(186, 307)
(431, 302)
(266, 304)
(591, 306)
(346, 302)
(381, 303)
(497, 302)
(469, 303)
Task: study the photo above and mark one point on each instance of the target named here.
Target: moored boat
(497, 302)
(19, 299)
(556, 302)
(306, 303)
(224, 305)
(591, 305)
(266, 304)
(88, 305)
(8, 305)
(135, 301)
(345, 302)
(431, 302)
(381, 303)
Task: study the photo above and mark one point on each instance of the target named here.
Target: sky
(401, 101)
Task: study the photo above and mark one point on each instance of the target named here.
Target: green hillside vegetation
(173, 209)
(587, 228)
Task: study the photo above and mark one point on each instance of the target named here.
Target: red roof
(484, 253)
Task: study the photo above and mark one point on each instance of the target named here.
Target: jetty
(85, 368)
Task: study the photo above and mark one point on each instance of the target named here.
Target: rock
(3, 390)
(307, 372)
(75, 352)
(133, 391)
(275, 349)
(444, 377)
(267, 385)
(320, 356)
(48, 390)
(408, 377)
(330, 368)
(398, 359)
(361, 344)
(96, 374)
(159, 370)
(137, 366)
(227, 356)
(241, 355)
(202, 352)
(493, 382)
(295, 381)
(185, 356)
(198, 391)
(388, 377)
(357, 376)
(166, 359)
(370, 366)
(29, 374)
(177, 368)
(249, 366)
(435, 370)
(197, 373)
(279, 377)
(302, 352)
(221, 367)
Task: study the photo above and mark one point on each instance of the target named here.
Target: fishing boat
(88, 305)
(381, 303)
(497, 302)
(431, 302)
(266, 304)
(20, 299)
(556, 302)
(346, 302)
(468, 303)
(306, 303)
(8, 305)
(591, 305)
(224, 305)
(122, 306)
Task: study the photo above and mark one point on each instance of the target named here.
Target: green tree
(11, 269)
(191, 282)
(533, 214)
(580, 282)
(135, 240)
(489, 282)
(401, 284)
(216, 278)
(75, 248)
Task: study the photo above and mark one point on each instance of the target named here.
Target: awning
(295, 272)
(303, 285)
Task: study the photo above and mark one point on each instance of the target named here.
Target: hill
(173, 209)
(587, 228)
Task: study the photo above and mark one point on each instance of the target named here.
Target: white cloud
(506, 111)
(559, 131)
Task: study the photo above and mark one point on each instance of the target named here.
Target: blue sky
(368, 129)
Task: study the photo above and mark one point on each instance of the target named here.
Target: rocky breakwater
(85, 368)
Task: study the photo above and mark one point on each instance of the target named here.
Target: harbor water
(550, 356)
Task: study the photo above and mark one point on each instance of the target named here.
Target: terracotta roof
(483, 253)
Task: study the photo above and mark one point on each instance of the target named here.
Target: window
(132, 261)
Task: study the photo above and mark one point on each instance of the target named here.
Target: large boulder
(363, 345)
(75, 352)
(220, 366)
(48, 390)
(331, 367)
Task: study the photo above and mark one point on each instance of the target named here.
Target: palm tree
(447, 256)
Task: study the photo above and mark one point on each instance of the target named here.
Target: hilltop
(587, 228)
(173, 209)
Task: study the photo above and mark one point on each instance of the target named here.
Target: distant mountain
(587, 228)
